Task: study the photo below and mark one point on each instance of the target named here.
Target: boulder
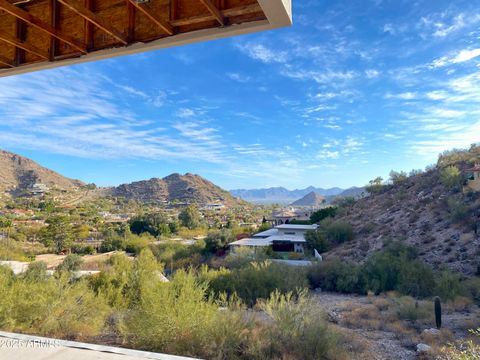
(423, 349)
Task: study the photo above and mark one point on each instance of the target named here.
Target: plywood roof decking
(36, 34)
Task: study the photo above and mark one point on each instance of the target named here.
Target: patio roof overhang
(41, 34)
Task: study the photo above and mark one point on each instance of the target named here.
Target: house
(283, 238)
(213, 207)
(288, 214)
(474, 181)
(39, 189)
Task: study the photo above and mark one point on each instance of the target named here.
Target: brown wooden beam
(89, 27)
(21, 35)
(40, 24)
(7, 62)
(236, 11)
(214, 11)
(131, 21)
(94, 19)
(54, 19)
(27, 47)
(165, 26)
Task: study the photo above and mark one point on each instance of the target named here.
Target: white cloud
(239, 77)
(262, 53)
(372, 73)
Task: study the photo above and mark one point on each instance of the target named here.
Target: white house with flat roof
(282, 238)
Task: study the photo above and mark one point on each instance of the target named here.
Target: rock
(333, 317)
(423, 348)
(432, 332)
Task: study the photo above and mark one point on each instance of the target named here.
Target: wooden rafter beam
(94, 19)
(214, 10)
(7, 62)
(25, 46)
(40, 24)
(236, 11)
(165, 26)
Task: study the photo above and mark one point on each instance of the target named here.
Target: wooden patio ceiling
(36, 34)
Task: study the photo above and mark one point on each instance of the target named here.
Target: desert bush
(472, 287)
(335, 275)
(451, 176)
(465, 350)
(54, 307)
(299, 329)
(410, 309)
(36, 272)
(338, 232)
(448, 286)
(321, 214)
(175, 255)
(258, 280)
(396, 268)
(218, 239)
(316, 239)
(72, 262)
(457, 208)
(113, 244)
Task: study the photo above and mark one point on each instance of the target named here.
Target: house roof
(286, 238)
(255, 242)
(475, 168)
(56, 33)
(266, 233)
(296, 227)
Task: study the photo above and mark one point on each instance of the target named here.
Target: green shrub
(448, 286)
(335, 275)
(410, 309)
(218, 239)
(338, 232)
(113, 244)
(71, 263)
(259, 280)
(321, 214)
(451, 176)
(316, 239)
(299, 329)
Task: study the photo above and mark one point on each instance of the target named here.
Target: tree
(321, 214)
(398, 177)
(58, 233)
(375, 186)
(316, 240)
(218, 239)
(190, 217)
(6, 225)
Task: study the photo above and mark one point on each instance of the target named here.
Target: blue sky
(353, 90)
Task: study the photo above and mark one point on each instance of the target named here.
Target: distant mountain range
(282, 195)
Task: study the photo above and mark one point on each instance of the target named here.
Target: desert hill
(18, 174)
(311, 199)
(424, 210)
(188, 188)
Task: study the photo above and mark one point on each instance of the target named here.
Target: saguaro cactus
(438, 312)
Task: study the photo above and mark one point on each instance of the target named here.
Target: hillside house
(286, 215)
(474, 180)
(283, 238)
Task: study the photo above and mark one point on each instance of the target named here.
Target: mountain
(281, 194)
(311, 199)
(18, 174)
(423, 210)
(188, 188)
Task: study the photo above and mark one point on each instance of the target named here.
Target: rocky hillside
(18, 174)
(188, 188)
(422, 210)
(311, 199)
